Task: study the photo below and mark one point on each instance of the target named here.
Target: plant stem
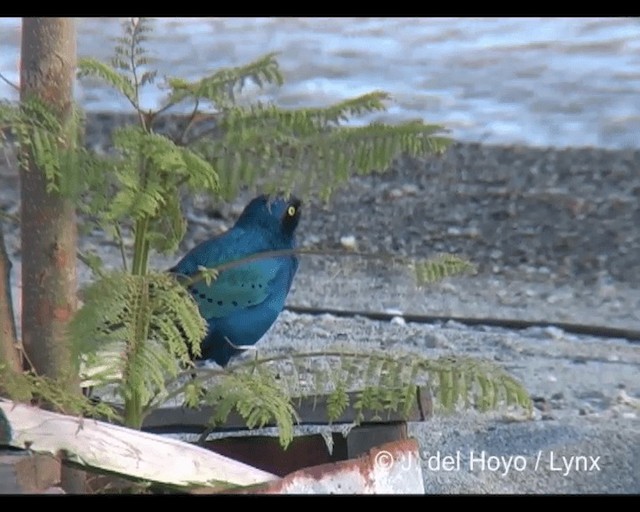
(133, 410)
(140, 248)
(133, 406)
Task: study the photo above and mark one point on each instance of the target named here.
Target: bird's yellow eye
(291, 211)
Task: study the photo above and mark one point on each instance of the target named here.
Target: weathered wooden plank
(120, 450)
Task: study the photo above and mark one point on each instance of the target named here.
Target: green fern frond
(90, 67)
(130, 52)
(261, 120)
(454, 382)
(167, 231)
(337, 403)
(219, 87)
(53, 147)
(373, 384)
(124, 74)
(257, 397)
(141, 327)
(27, 387)
(154, 194)
(440, 267)
(309, 151)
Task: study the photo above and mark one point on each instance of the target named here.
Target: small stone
(395, 193)
(435, 340)
(473, 232)
(541, 403)
(448, 287)
(554, 332)
(398, 320)
(327, 318)
(348, 242)
(410, 189)
(393, 311)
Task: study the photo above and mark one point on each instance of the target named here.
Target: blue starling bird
(245, 300)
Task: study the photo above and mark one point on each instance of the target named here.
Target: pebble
(348, 242)
(446, 286)
(398, 320)
(395, 193)
(410, 189)
(554, 332)
(452, 324)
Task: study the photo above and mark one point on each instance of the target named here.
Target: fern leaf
(220, 86)
(152, 320)
(436, 269)
(90, 67)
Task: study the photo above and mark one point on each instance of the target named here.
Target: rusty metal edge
(391, 468)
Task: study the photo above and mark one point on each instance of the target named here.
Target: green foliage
(120, 82)
(307, 150)
(257, 397)
(49, 144)
(373, 384)
(124, 72)
(440, 267)
(29, 387)
(221, 87)
(137, 331)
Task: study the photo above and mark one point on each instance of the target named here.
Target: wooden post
(48, 220)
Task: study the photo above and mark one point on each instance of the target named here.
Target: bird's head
(275, 213)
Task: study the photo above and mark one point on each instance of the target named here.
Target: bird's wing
(235, 288)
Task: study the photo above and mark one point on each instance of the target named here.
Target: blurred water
(548, 81)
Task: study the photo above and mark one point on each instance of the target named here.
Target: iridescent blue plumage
(245, 300)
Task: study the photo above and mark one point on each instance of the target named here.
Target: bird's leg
(240, 347)
(244, 347)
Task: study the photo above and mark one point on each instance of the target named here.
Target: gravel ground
(555, 236)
